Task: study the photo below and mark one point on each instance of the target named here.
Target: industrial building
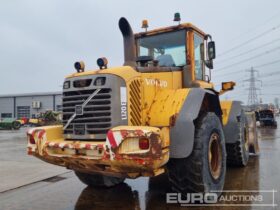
(28, 105)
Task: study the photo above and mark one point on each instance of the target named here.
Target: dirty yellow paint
(54, 132)
(226, 107)
(177, 79)
(205, 85)
(153, 83)
(165, 137)
(167, 103)
(52, 148)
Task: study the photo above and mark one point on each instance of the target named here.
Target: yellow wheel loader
(157, 113)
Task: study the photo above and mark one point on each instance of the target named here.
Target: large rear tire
(238, 152)
(204, 170)
(98, 180)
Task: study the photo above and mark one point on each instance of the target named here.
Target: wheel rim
(215, 156)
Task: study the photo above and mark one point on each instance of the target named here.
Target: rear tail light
(144, 143)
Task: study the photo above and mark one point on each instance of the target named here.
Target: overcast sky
(41, 39)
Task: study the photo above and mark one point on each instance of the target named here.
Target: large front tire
(98, 180)
(204, 170)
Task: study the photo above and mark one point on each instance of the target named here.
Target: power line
(256, 26)
(249, 41)
(277, 81)
(267, 64)
(259, 66)
(270, 94)
(271, 85)
(251, 58)
(244, 53)
(231, 73)
(273, 80)
(270, 74)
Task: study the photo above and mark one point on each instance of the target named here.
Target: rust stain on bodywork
(120, 156)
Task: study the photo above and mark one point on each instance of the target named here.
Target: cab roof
(169, 29)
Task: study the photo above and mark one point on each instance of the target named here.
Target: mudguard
(231, 129)
(182, 133)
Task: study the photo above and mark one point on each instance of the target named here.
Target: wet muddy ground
(28, 183)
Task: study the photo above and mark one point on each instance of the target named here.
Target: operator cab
(177, 48)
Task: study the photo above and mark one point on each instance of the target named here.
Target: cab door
(197, 55)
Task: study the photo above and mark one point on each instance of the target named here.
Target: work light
(79, 66)
(102, 62)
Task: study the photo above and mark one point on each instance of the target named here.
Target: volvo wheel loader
(158, 113)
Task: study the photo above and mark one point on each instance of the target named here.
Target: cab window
(198, 56)
(168, 48)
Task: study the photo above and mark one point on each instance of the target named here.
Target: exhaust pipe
(128, 43)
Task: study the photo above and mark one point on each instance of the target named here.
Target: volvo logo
(79, 110)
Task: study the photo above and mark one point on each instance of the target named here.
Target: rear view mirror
(228, 85)
(211, 50)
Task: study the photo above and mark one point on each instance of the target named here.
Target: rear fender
(182, 133)
(231, 114)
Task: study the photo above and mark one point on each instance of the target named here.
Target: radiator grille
(96, 118)
(135, 102)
